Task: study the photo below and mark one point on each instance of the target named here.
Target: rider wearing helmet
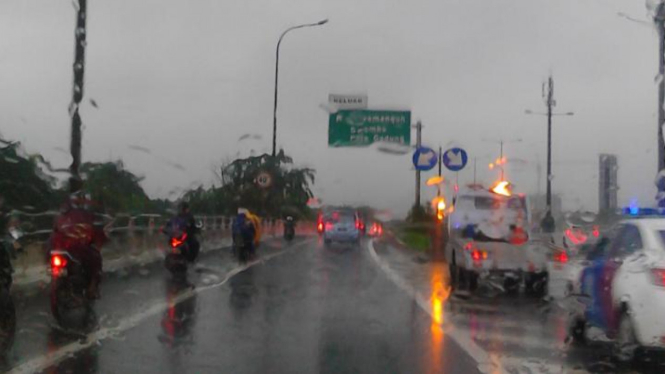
(185, 221)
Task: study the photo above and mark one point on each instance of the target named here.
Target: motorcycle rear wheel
(69, 305)
(7, 321)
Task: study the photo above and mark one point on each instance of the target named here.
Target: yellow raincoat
(257, 227)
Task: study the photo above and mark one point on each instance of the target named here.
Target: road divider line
(42, 362)
(486, 362)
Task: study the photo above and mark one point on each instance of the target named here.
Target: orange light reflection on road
(440, 288)
(440, 292)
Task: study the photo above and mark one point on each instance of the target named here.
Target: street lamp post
(274, 126)
(548, 223)
(501, 142)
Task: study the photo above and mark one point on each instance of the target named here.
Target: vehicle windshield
(331, 186)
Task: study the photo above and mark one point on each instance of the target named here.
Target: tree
(288, 192)
(23, 184)
(115, 188)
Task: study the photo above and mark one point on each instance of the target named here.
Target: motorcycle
(7, 307)
(176, 259)
(241, 249)
(70, 303)
(289, 229)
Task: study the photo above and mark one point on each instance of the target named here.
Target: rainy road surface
(302, 309)
(504, 333)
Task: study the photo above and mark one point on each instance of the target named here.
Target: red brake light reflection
(561, 257)
(658, 277)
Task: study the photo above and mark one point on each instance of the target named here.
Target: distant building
(607, 182)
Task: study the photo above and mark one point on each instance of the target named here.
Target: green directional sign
(358, 128)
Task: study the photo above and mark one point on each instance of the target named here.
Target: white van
(490, 240)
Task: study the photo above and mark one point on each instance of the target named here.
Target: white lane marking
(42, 362)
(487, 362)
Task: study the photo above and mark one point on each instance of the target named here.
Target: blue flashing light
(634, 207)
(643, 212)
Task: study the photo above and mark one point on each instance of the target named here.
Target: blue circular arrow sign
(425, 158)
(455, 159)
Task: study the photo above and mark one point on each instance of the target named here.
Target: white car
(567, 260)
(623, 287)
(342, 226)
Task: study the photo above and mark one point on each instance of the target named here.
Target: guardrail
(138, 242)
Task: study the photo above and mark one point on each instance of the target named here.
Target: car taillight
(176, 242)
(58, 261)
(477, 255)
(658, 277)
(320, 227)
(329, 226)
(561, 257)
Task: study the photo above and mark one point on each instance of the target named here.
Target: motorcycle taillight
(177, 242)
(58, 261)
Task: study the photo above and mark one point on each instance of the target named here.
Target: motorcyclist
(244, 231)
(77, 231)
(185, 221)
(289, 225)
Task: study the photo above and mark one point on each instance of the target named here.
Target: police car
(622, 286)
(568, 259)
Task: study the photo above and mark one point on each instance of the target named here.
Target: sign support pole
(419, 130)
(438, 194)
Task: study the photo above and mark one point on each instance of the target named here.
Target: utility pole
(548, 223)
(539, 169)
(79, 68)
(419, 130)
(659, 20)
(501, 159)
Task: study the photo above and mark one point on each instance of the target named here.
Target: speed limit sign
(264, 179)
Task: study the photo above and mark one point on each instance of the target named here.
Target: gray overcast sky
(186, 79)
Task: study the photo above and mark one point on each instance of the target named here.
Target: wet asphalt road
(305, 309)
(523, 334)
